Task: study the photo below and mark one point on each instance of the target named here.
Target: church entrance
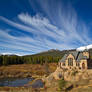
(83, 65)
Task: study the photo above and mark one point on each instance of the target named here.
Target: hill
(53, 53)
(49, 56)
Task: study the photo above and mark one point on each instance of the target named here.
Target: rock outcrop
(69, 75)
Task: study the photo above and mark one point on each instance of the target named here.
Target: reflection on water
(38, 84)
(14, 82)
(17, 82)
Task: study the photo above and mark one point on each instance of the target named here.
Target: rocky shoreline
(69, 74)
(72, 77)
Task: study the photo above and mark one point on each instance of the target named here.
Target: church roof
(77, 55)
(63, 58)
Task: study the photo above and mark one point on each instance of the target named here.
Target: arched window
(70, 61)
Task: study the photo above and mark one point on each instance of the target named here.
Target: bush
(62, 84)
(74, 73)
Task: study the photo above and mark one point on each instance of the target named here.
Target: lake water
(18, 82)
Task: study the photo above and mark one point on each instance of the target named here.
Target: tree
(1, 60)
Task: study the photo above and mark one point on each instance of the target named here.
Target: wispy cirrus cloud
(60, 28)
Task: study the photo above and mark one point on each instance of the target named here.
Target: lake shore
(36, 71)
(52, 86)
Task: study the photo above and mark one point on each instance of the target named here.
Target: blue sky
(32, 26)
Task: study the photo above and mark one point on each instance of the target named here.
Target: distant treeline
(10, 60)
(40, 58)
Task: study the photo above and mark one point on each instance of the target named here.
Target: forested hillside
(40, 58)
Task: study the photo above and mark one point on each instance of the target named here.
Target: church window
(70, 61)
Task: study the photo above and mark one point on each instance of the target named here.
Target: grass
(37, 69)
(62, 84)
(25, 70)
(74, 72)
(18, 89)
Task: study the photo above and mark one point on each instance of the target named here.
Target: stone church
(76, 59)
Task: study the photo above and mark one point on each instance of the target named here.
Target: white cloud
(22, 43)
(81, 48)
(89, 46)
(60, 29)
(7, 53)
(35, 20)
(84, 48)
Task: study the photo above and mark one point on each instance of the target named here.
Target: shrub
(74, 73)
(62, 84)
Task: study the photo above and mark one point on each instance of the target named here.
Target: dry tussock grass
(31, 69)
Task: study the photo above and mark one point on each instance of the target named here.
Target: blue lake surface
(18, 82)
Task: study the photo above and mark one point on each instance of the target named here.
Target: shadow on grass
(69, 88)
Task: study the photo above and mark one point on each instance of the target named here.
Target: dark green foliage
(62, 84)
(74, 72)
(9, 60)
(40, 58)
(1, 60)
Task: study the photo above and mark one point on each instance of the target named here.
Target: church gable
(70, 56)
(74, 59)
